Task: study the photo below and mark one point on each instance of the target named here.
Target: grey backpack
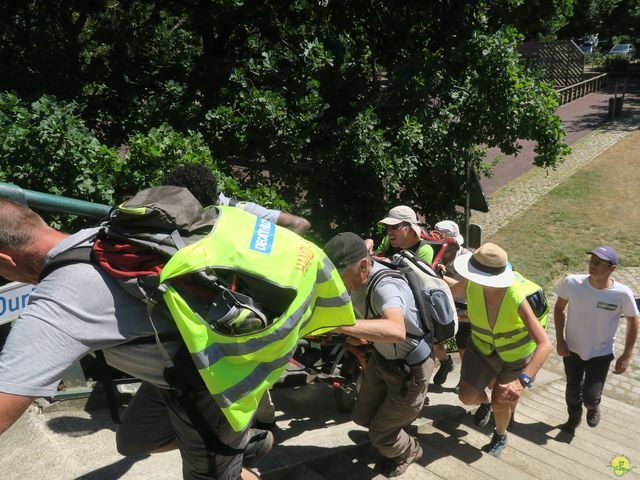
(434, 301)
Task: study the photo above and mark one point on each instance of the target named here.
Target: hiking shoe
(394, 467)
(446, 366)
(593, 417)
(496, 445)
(483, 415)
(572, 423)
(260, 443)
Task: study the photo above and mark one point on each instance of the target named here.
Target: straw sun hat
(487, 266)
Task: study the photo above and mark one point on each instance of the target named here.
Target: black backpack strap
(103, 373)
(376, 278)
(186, 388)
(68, 257)
(538, 303)
(426, 323)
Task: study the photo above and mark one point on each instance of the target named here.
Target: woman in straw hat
(508, 342)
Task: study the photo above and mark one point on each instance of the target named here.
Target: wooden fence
(580, 89)
(561, 62)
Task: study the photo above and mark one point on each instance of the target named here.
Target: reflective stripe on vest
(239, 369)
(509, 336)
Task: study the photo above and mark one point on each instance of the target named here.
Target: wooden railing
(577, 90)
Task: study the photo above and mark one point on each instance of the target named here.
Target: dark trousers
(585, 381)
(153, 419)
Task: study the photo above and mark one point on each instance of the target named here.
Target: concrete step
(616, 411)
(314, 433)
(592, 448)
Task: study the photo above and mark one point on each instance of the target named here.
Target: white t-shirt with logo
(593, 315)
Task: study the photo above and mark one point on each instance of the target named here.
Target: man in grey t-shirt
(397, 376)
(77, 309)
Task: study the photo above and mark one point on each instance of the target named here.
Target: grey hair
(19, 225)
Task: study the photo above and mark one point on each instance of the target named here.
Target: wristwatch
(525, 380)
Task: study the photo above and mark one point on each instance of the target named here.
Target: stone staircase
(452, 444)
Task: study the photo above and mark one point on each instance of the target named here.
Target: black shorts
(462, 336)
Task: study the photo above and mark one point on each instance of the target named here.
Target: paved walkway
(580, 118)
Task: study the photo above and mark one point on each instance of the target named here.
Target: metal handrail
(53, 203)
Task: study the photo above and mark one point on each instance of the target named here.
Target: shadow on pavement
(538, 433)
(304, 408)
(79, 427)
(436, 445)
(348, 461)
(113, 471)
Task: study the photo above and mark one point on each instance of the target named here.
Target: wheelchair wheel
(346, 394)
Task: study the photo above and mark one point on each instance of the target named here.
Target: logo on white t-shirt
(606, 306)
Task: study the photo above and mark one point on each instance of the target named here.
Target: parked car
(625, 49)
(587, 48)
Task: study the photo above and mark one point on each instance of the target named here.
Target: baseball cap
(606, 253)
(450, 229)
(345, 248)
(402, 214)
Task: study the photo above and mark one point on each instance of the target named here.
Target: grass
(599, 205)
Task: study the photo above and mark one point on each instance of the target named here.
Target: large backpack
(434, 301)
(132, 246)
(140, 237)
(151, 244)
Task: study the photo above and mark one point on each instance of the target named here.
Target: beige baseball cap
(402, 214)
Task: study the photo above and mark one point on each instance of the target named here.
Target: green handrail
(53, 203)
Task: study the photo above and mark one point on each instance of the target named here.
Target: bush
(596, 59)
(146, 158)
(45, 146)
(616, 63)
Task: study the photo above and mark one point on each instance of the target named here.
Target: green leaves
(343, 108)
(45, 146)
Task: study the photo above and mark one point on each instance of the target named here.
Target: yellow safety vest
(238, 369)
(509, 336)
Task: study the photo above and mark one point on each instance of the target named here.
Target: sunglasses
(397, 226)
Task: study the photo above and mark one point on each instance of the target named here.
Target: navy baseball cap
(606, 253)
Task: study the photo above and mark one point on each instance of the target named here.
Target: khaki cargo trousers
(390, 399)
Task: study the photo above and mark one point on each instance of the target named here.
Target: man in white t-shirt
(586, 334)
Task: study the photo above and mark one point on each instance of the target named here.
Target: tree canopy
(344, 108)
